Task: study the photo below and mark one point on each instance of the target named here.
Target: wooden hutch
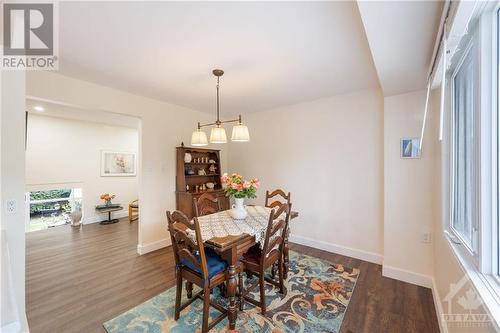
(191, 181)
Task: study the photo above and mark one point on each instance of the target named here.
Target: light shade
(218, 135)
(240, 134)
(199, 138)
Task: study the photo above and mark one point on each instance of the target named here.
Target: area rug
(316, 299)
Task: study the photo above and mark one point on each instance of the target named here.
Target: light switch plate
(426, 237)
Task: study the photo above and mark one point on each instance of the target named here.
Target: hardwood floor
(381, 304)
(78, 279)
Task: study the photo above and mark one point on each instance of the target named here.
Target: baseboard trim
(407, 276)
(99, 218)
(443, 326)
(146, 248)
(343, 250)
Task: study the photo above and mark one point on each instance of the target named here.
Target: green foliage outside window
(52, 194)
(63, 204)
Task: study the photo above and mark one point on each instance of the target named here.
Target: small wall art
(118, 164)
(410, 148)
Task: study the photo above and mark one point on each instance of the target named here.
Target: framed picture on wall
(410, 148)
(118, 164)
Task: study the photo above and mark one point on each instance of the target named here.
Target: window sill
(486, 286)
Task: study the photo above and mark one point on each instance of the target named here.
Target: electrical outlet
(426, 237)
(11, 206)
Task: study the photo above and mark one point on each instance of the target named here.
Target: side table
(109, 210)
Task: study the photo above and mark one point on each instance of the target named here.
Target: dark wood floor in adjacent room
(78, 279)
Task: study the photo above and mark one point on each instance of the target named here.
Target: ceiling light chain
(218, 133)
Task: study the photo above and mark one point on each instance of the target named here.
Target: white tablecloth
(221, 224)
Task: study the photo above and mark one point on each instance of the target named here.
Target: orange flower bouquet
(107, 198)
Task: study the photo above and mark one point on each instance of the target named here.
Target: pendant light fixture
(199, 138)
(218, 133)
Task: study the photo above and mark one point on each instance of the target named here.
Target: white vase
(76, 218)
(238, 212)
(188, 158)
(76, 214)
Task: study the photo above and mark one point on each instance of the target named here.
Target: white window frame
(488, 227)
(469, 251)
(495, 231)
(481, 262)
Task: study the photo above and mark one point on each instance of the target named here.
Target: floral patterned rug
(316, 299)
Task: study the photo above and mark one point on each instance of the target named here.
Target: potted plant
(239, 189)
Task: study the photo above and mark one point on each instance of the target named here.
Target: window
(496, 229)
(53, 207)
(465, 110)
(472, 148)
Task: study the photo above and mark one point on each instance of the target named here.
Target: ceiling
(273, 53)
(71, 112)
(401, 35)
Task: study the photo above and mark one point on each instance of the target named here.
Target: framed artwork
(410, 148)
(118, 164)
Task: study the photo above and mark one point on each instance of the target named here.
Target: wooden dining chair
(257, 260)
(275, 199)
(206, 204)
(195, 264)
(281, 198)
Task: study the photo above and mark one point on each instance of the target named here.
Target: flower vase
(108, 203)
(238, 211)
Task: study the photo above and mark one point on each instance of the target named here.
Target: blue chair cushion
(215, 264)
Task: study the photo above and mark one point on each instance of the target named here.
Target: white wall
(163, 128)
(410, 190)
(64, 152)
(414, 204)
(340, 158)
(12, 189)
(329, 154)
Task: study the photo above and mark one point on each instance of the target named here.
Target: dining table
(231, 238)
